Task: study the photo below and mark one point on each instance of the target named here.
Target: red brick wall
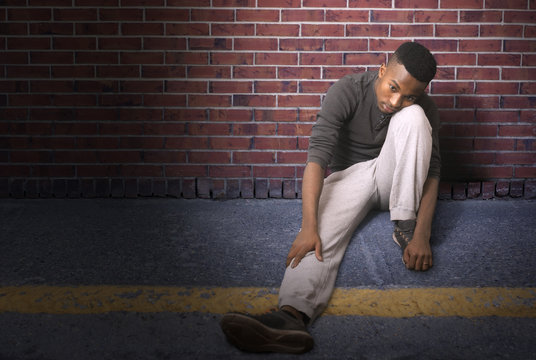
(216, 98)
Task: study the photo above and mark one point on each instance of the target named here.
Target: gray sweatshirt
(350, 128)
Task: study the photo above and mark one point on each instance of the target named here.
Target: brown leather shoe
(277, 331)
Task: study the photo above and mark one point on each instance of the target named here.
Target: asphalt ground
(150, 279)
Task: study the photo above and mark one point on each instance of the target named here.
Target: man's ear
(382, 70)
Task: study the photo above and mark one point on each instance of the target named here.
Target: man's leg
(346, 199)
(403, 163)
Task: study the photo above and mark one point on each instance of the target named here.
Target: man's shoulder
(361, 79)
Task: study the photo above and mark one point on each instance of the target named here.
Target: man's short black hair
(417, 60)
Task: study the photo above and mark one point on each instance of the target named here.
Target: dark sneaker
(403, 233)
(277, 331)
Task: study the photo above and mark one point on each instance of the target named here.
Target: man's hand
(306, 240)
(418, 254)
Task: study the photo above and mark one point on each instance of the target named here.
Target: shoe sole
(251, 335)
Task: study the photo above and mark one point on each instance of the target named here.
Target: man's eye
(393, 89)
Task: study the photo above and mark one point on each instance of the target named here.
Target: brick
(231, 59)
(322, 30)
(518, 102)
(347, 16)
(274, 171)
(501, 30)
(234, 29)
(278, 30)
(261, 44)
(247, 189)
(153, 29)
(289, 189)
(516, 188)
(257, 15)
(299, 72)
(17, 188)
(520, 46)
(457, 87)
(318, 87)
(59, 188)
(488, 190)
(204, 188)
(29, 14)
(254, 100)
(461, 4)
(87, 188)
(478, 102)
(456, 59)
(512, 4)
(502, 188)
(526, 172)
(391, 16)
(102, 188)
(120, 14)
(480, 16)
(159, 188)
(481, 45)
(416, 4)
(368, 30)
(501, 88)
(31, 189)
(436, 17)
(369, 3)
(480, 73)
(279, 3)
(519, 17)
(167, 14)
(164, 43)
(261, 188)
(276, 189)
(210, 44)
(4, 188)
(232, 188)
(254, 72)
(302, 15)
(97, 28)
(518, 74)
(494, 144)
(25, 43)
(176, 187)
(346, 44)
(303, 44)
(411, 30)
(445, 191)
(218, 189)
(191, 29)
(276, 59)
(456, 30)
(530, 189)
(275, 86)
(473, 190)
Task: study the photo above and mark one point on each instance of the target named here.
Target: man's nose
(396, 101)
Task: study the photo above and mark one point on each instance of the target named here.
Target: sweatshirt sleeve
(339, 104)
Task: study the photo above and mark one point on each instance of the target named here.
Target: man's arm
(418, 254)
(308, 238)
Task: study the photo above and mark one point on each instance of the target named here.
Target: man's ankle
(295, 313)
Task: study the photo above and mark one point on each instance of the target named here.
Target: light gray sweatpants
(394, 181)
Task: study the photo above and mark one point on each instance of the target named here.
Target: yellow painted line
(397, 303)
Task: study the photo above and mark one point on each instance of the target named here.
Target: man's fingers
(291, 255)
(318, 251)
(297, 260)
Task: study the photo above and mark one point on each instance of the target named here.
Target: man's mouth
(388, 109)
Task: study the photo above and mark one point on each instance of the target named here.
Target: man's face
(396, 88)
